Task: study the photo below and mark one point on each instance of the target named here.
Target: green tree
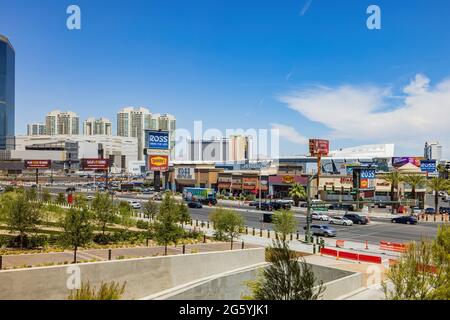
(183, 214)
(284, 223)
(80, 200)
(436, 185)
(77, 229)
(21, 215)
(227, 223)
(46, 196)
(421, 273)
(415, 181)
(394, 178)
(31, 194)
(165, 225)
(151, 209)
(286, 278)
(61, 198)
(297, 192)
(104, 211)
(126, 214)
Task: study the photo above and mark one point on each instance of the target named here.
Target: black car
(356, 218)
(71, 189)
(279, 205)
(343, 207)
(208, 201)
(405, 220)
(430, 211)
(195, 205)
(268, 217)
(265, 206)
(253, 203)
(443, 210)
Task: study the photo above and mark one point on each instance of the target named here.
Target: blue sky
(242, 64)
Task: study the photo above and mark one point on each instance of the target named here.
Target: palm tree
(394, 178)
(436, 185)
(297, 192)
(415, 181)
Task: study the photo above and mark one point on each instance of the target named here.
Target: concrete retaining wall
(143, 276)
(231, 286)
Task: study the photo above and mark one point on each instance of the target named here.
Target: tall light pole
(308, 212)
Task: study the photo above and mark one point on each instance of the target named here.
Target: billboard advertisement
(185, 173)
(157, 139)
(398, 162)
(37, 164)
(95, 164)
(158, 163)
(318, 147)
(428, 166)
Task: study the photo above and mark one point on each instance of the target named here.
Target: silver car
(341, 220)
(319, 216)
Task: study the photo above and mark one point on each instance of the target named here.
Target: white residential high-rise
(94, 127)
(62, 123)
(433, 151)
(132, 122)
(35, 129)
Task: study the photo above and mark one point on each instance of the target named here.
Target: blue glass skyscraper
(7, 94)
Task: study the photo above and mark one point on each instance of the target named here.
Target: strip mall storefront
(242, 183)
(280, 185)
(194, 176)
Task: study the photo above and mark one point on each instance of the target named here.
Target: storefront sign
(185, 173)
(37, 164)
(158, 163)
(249, 183)
(287, 180)
(346, 180)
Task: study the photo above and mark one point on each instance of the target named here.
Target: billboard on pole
(158, 163)
(37, 164)
(319, 147)
(95, 164)
(157, 139)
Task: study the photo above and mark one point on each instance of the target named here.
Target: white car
(2, 189)
(319, 216)
(135, 205)
(341, 221)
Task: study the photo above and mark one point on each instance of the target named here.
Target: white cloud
(353, 112)
(289, 133)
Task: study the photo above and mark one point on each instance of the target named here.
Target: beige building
(62, 123)
(93, 127)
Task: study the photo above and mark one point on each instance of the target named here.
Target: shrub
(107, 291)
(140, 224)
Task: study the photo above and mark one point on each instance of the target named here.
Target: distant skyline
(310, 68)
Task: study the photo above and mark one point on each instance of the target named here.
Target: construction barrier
(350, 256)
(392, 246)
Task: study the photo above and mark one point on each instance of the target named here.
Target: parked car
(253, 203)
(405, 220)
(71, 189)
(147, 191)
(268, 217)
(322, 230)
(195, 205)
(430, 211)
(443, 210)
(319, 216)
(356, 218)
(2, 189)
(341, 220)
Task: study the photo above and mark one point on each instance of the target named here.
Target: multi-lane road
(379, 229)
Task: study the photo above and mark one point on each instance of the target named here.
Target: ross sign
(318, 147)
(185, 173)
(158, 163)
(367, 174)
(95, 164)
(37, 164)
(157, 139)
(428, 166)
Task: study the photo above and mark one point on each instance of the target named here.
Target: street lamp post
(308, 212)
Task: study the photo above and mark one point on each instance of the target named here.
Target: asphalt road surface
(374, 232)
